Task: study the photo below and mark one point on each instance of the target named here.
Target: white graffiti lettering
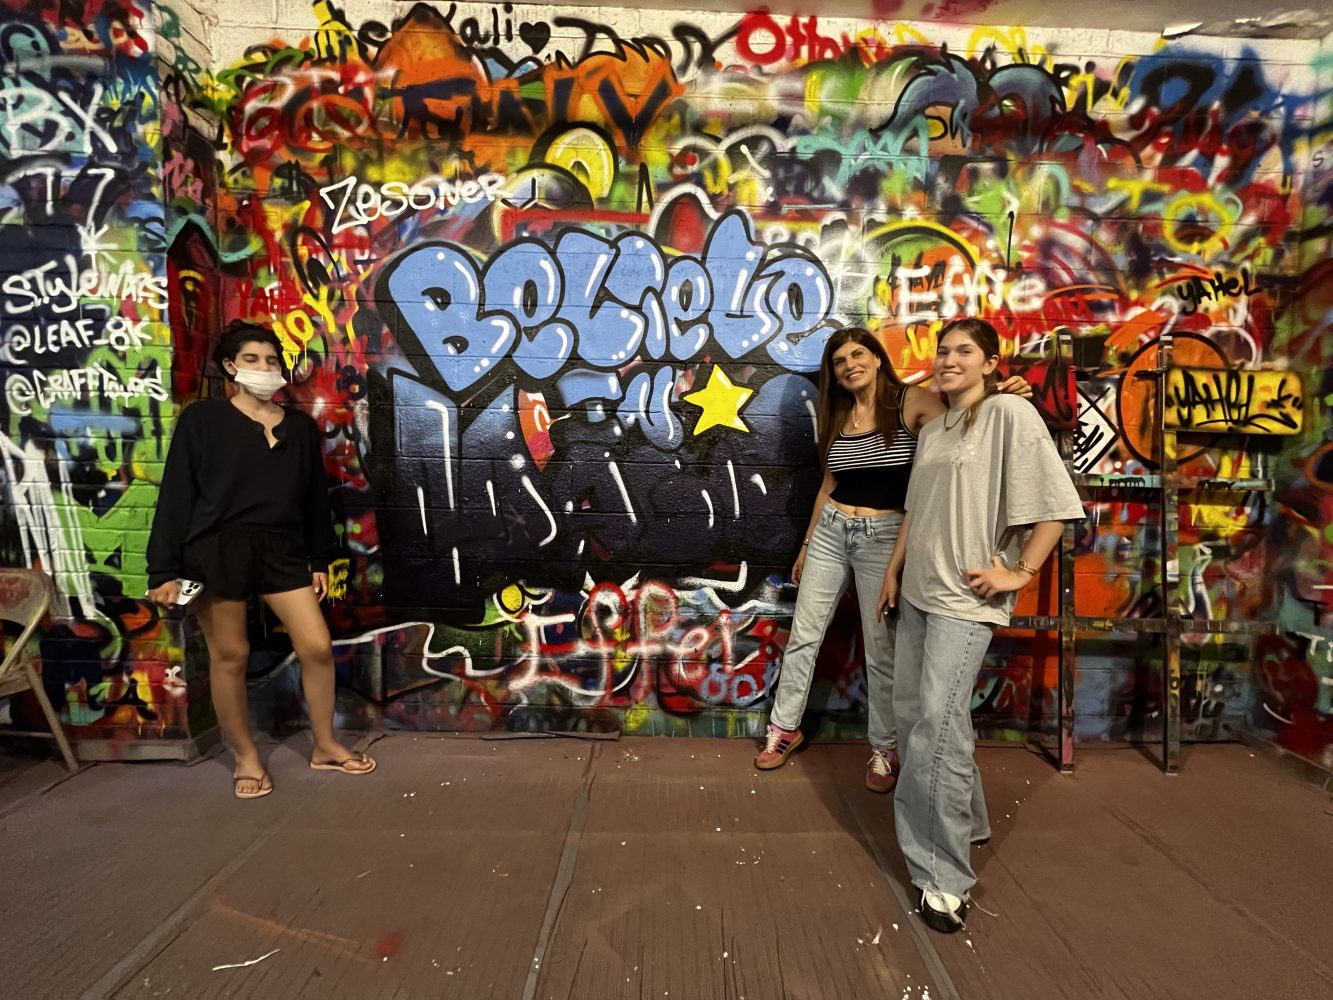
(361, 203)
(923, 295)
(63, 287)
(23, 389)
(1316, 641)
(119, 333)
(35, 123)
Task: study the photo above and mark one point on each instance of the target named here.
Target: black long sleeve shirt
(221, 470)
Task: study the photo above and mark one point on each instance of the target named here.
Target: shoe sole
(345, 770)
(258, 794)
(941, 922)
(944, 923)
(796, 744)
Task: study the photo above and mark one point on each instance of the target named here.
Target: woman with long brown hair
(867, 425)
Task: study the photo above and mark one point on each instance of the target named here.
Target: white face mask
(261, 385)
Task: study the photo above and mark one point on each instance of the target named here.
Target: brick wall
(88, 403)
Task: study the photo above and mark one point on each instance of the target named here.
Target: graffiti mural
(1294, 671)
(86, 356)
(555, 282)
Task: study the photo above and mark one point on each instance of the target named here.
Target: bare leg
(223, 623)
(299, 612)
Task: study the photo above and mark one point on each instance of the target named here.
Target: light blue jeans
(841, 548)
(939, 807)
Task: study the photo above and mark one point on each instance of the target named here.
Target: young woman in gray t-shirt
(984, 508)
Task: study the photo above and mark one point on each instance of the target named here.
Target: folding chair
(25, 595)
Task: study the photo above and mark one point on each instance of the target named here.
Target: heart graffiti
(535, 35)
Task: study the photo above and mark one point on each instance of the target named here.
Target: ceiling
(1234, 18)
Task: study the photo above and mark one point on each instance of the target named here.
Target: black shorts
(236, 561)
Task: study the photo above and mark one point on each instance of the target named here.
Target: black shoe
(942, 919)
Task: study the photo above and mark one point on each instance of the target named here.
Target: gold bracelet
(1023, 567)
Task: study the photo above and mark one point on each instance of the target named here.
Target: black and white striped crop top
(868, 474)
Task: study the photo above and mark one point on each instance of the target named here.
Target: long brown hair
(987, 340)
(835, 402)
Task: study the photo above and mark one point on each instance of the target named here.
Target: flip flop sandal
(236, 783)
(341, 765)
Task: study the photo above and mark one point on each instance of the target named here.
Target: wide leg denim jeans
(841, 548)
(939, 806)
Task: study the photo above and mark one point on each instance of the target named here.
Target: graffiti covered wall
(555, 282)
(85, 360)
(1294, 672)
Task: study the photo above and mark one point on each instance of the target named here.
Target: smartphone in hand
(190, 589)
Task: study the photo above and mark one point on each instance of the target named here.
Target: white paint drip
(624, 493)
(48, 539)
(550, 518)
(443, 411)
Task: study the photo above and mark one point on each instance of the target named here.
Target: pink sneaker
(777, 747)
(882, 770)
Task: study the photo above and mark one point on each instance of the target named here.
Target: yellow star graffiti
(721, 402)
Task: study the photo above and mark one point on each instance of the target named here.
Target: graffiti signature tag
(1234, 401)
(361, 203)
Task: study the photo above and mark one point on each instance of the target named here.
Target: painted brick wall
(555, 282)
(1294, 671)
(86, 361)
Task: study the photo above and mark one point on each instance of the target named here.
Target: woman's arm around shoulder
(920, 407)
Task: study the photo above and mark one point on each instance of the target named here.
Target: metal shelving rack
(1172, 624)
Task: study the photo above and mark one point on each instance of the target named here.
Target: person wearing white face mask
(244, 509)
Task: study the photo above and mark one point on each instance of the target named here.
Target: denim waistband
(834, 515)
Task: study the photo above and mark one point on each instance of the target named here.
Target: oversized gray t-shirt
(974, 496)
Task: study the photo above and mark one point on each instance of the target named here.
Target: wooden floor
(653, 868)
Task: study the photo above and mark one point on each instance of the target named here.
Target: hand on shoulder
(1016, 385)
